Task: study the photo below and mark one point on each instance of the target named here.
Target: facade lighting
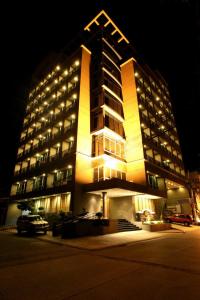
(43, 174)
(54, 96)
(138, 89)
(49, 130)
(77, 63)
(62, 104)
(76, 78)
(71, 138)
(66, 73)
(60, 123)
(47, 89)
(136, 74)
(157, 98)
(45, 103)
(69, 166)
(58, 145)
(46, 150)
(56, 81)
(64, 87)
(74, 96)
(51, 112)
(57, 68)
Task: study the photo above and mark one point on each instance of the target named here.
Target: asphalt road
(167, 268)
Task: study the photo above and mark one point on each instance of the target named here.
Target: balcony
(39, 167)
(48, 142)
(52, 120)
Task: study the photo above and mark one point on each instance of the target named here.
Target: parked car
(32, 224)
(179, 218)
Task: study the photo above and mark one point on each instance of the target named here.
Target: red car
(180, 218)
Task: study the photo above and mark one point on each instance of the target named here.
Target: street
(164, 268)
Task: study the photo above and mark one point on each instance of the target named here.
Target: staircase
(125, 225)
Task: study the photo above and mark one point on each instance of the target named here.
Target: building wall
(179, 196)
(134, 146)
(12, 214)
(122, 208)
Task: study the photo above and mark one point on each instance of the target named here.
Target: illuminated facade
(99, 133)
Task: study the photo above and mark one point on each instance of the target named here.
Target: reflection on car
(32, 224)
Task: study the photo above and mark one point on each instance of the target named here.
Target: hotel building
(99, 133)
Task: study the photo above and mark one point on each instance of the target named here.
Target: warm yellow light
(66, 72)
(60, 123)
(56, 80)
(160, 112)
(37, 154)
(31, 141)
(47, 89)
(71, 138)
(162, 127)
(74, 96)
(69, 166)
(55, 171)
(62, 104)
(136, 74)
(157, 98)
(58, 145)
(73, 116)
(49, 76)
(34, 177)
(43, 174)
(46, 150)
(64, 87)
(40, 136)
(142, 125)
(140, 106)
(138, 89)
(58, 68)
(45, 103)
(49, 130)
(54, 96)
(76, 78)
(42, 119)
(51, 112)
(77, 63)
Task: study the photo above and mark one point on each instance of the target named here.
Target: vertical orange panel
(134, 146)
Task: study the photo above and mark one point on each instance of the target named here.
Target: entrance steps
(125, 225)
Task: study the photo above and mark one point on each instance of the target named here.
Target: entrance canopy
(117, 188)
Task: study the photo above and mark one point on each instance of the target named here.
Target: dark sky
(166, 33)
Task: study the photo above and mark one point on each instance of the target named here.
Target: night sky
(166, 34)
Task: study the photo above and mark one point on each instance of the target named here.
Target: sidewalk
(115, 239)
(112, 240)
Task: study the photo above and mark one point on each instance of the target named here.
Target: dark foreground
(166, 268)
